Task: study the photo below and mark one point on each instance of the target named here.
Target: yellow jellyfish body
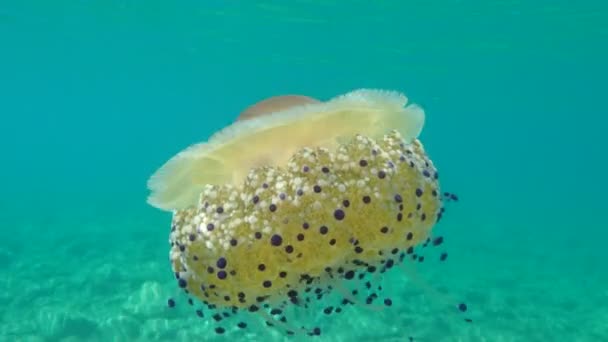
(297, 195)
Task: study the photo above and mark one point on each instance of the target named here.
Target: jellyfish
(298, 200)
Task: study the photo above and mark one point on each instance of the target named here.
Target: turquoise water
(96, 95)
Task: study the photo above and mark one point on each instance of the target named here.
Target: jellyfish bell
(269, 106)
(275, 104)
(271, 131)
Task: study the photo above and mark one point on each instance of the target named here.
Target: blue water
(96, 95)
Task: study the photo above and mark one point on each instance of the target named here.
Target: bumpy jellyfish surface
(299, 195)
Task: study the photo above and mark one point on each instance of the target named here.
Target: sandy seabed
(91, 281)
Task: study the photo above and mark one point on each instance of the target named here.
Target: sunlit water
(95, 95)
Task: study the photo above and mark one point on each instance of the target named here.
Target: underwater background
(96, 95)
